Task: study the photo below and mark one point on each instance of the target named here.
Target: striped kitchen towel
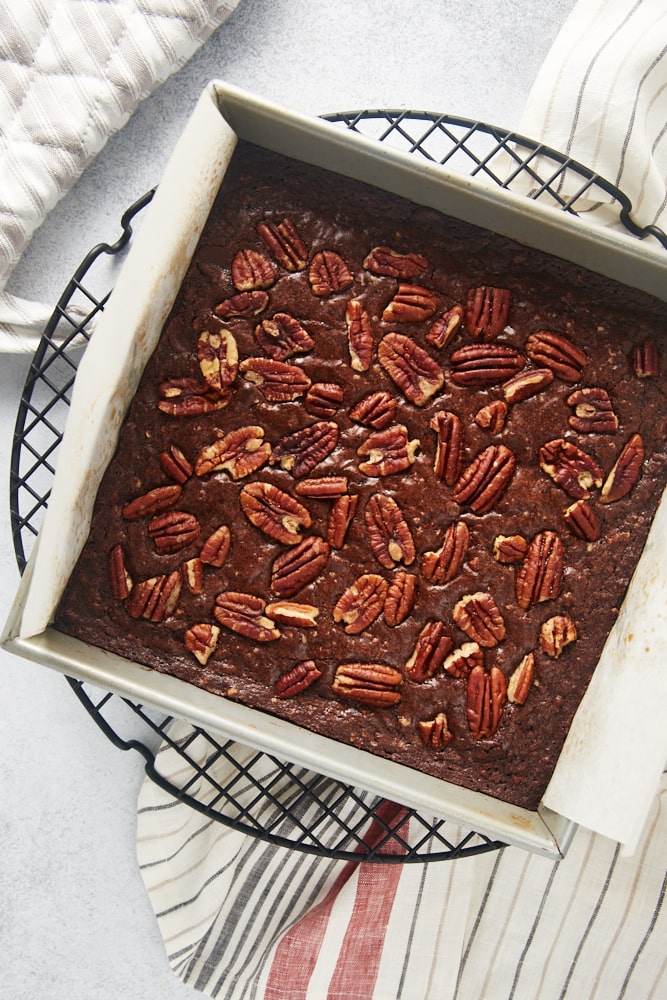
(71, 74)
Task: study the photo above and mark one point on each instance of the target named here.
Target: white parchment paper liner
(610, 767)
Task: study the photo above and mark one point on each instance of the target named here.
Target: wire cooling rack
(252, 792)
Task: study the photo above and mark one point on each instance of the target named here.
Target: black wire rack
(253, 792)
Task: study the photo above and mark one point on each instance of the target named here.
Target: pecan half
(298, 679)
(361, 603)
(190, 397)
(625, 472)
(435, 733)
(387, 452)
(201, 640)
(446, 327)
(552, 350)
(444, 564)
(478, 366)
(359, 336)
(155, 599)
(492, 416)
(153, 502)
(377, 409)
(526, 384)
(646, 359)
(541, 573)
(521, 680)
(295, 569)
(461, 661)
(322, 487)
(410, 304)
(302, 450)
(400, 597)
(328, 273)
(323, 399)
(574, 470)
(274, 512)
(285, 243)
(509, 548)
(244, 614)
(218, 358)
(291, 613)
(487, 311)
(192, 572)
(174, 463)
(449, 446)
(120, 579)
(593, 411)
(374, 685)
(389, 536)
(239, 453)
(252, 270)
(243, 305)
(215, 549)
(410, 367)
(340, 518)
(283, 336)
(582, 521)
(483, 483)
(389, 263)
(430, 651)
(278, 381)
(173, 530)
(479, 617)
(485, 700)
(556, 633)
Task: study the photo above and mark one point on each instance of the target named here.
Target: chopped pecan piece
(431, 649)
(554, 351)
(120, 579)
(239, 453)
(410, 304)
(556, 633)
(302, 450)
(251, 270)
(201, 640)
(175, 464)
(323, 399)
(461, 661)
(521, 680)
(446, 327)
(492, 416)
(243, 305)
(295, 569)
(297, 679)
(215, 549)
(283, 336)
(371, 684)
(285, 243)
(389, 536)
(487, 311)
(278, 381)
(410, 367)
(593, 411)
(340, 518)
(362, 602)
(387, 452)
(290, 613)
(449, 446)
(625, 472)
(582, 521)
(193, 575)
(244, 614)
(359, 336)
(435, 733)
(526, 384)
(389, 263)
(173, 530)
(478, 366)
(189, 397)
(377, 409)
(483, 483)
(400, 597)
(485, 701)
(328, 273)
(322, 487)
(572, 469)
(155, 599)
(541, 573)
(218, 358)
(479, 617)
(646, 359)
(153, 502)
(274, 512)
(509, 548)
(444, 564)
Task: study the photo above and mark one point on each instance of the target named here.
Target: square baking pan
(132, 322)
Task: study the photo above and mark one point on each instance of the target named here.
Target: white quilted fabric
(71, 74)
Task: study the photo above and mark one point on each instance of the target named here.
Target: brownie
(387, 475)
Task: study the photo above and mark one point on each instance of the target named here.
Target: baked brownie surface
(429, 573)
